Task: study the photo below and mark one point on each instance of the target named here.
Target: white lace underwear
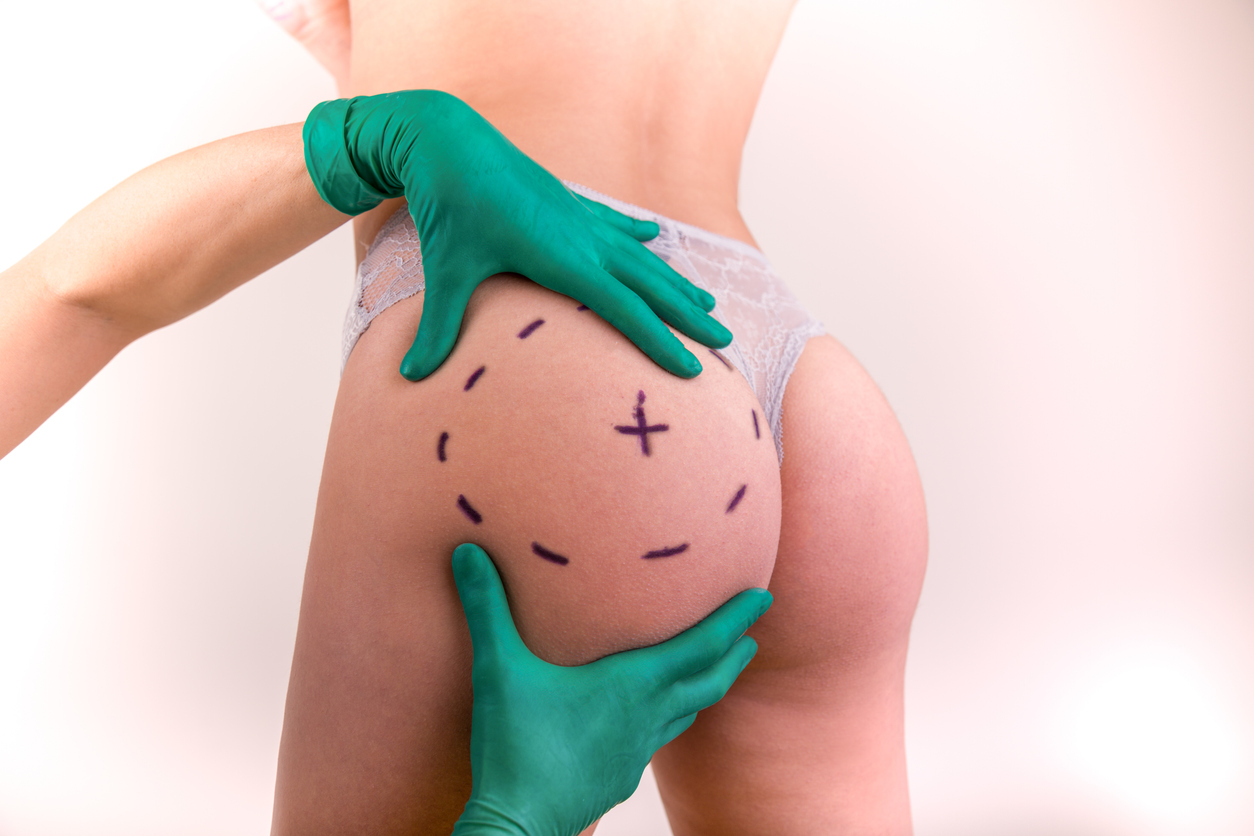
(768, 324)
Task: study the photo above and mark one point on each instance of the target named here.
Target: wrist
(410, 152)
(330, 161)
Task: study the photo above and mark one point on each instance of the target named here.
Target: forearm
(159, 246)
(184, 232)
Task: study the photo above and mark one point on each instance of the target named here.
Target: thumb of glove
(492, 630)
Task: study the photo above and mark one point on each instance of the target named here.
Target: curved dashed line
(548, 555)
(468, 510)
(721, 358)
(667, 552)
(526, 332)
(642, 429)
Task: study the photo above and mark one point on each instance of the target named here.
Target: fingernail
(692, 365)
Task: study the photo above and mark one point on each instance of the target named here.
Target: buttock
(518, 443)
(769, 325)
(620, 503)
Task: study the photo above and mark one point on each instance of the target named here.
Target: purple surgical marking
(721, 358)
(740, 494)
(582, 308)
(440, 450)
(756, 432)
(474, 378)
(666, 552)
(642, 427)
(548, 555)
(475, 516)
(526, 332)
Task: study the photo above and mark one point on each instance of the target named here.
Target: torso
(649, 101)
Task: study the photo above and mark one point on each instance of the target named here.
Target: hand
(553, 748)
(483, 207)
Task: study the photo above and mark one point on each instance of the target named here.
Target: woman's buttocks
(622, 504)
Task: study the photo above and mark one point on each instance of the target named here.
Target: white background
(1033, 222)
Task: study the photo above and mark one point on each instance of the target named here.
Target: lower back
(649, 102)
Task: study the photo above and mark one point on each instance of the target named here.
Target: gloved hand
(482, 207)
(553, 748)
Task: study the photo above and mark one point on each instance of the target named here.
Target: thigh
(516, 442)
(810, 738)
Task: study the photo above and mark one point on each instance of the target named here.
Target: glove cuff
(329, 162)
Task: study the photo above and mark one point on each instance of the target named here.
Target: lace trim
(769, 325)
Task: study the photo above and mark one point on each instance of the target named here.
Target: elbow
(99, 295)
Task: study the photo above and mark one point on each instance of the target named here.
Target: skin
(376, 731)
(163, 244)
(810, 738)
(649, 103)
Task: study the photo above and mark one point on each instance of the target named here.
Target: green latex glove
(553, 748)
(483, 207)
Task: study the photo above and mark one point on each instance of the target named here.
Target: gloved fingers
(492, 630)
(442, 312)
(652, 262)
(636, 228)
(669, 302)
(703, 689)
(629, 314)
(705, 643)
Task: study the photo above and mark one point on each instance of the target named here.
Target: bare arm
(159, 246)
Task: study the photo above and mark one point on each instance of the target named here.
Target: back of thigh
(621, 505)
(810, 738)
